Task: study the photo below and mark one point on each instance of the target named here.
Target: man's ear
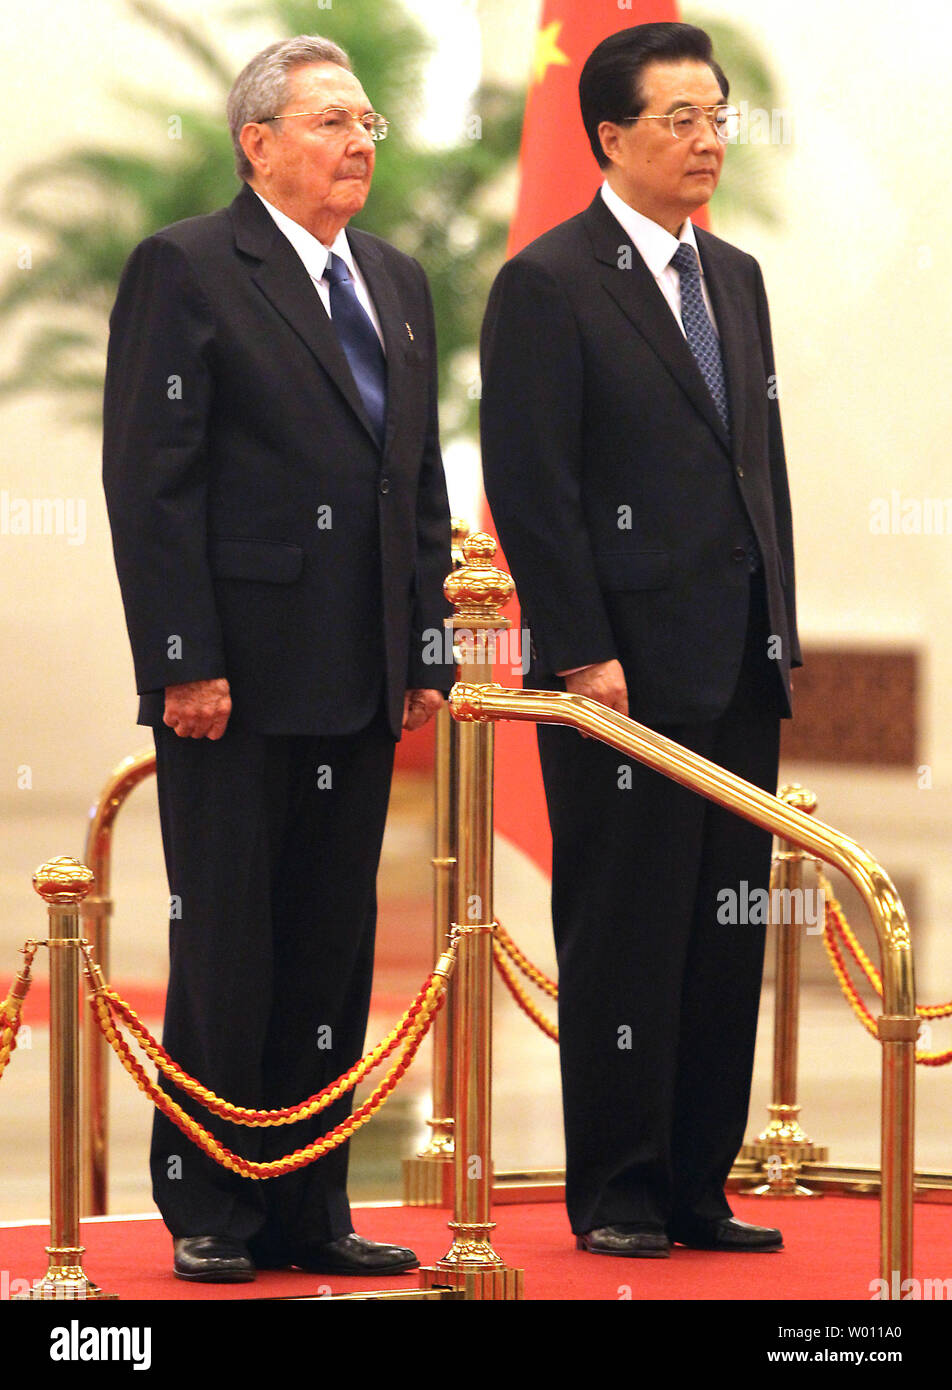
(609, 135)
(255, 139)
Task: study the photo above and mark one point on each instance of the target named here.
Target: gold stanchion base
(780, 1162)
(777, 1189)
(428, 1180)
(803, 1152)
(486, 1283)
(780, 1183)
(64, 1281)
(471, 1264)
(766, 1190)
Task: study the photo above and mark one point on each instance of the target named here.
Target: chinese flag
(558, 178)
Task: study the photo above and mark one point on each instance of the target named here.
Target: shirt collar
(312, 252)
(654, 243)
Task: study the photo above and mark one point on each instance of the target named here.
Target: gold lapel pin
(409, 331)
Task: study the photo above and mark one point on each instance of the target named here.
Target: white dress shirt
(656, 246)
(314, 254)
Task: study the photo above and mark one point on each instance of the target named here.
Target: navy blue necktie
(705, 345)
(360, 343)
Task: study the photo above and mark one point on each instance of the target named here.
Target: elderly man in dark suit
(281, 530)
(635, 468)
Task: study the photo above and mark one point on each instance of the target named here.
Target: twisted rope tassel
(410, 1032)
(10, 1008)
(836, 926)
(531, 971)
(242, 1115)
(503, 945)
(300, 1158)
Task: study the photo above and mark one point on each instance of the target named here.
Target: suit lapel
(281, 277)
(633, 287)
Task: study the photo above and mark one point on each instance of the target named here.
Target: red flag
(559, 176)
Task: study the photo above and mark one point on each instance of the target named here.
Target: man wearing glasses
(635, 468)
(281, 529)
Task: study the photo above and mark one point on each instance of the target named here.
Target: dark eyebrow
(686, 101)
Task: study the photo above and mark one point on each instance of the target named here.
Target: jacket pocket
(633, 569)
(269, 562)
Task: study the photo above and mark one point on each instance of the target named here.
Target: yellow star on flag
(547, 51)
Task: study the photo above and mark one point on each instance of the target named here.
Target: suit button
(740, 471)
(738, 553)
(384, 485)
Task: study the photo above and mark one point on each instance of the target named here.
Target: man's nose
(360, 138)
(706, 137)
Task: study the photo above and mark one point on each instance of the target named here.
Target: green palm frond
(186, 36)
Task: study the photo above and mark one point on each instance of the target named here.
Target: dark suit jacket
(620, 504)
(259, 532)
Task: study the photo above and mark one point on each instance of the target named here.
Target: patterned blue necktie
(705, 345)
(698, 329)
(360, 343)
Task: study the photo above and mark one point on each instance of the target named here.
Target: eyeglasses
(687, 121)
(337, 121)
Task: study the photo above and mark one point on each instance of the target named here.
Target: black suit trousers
(272, 846)
(658, 998)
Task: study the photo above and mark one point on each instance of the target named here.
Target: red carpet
(690, 1314)
(832, 1253)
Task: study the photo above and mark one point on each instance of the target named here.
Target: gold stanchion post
(97, 912)
(477, 591)
(63, 883)
(428, 1176)
(783, 1146)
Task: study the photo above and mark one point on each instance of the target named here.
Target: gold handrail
(96, 912)
(898, 1026)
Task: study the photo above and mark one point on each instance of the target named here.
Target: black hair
(609, 87)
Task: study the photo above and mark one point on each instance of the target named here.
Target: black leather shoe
(635, 1242)
(354, 1254)
(212, 1260)
(728, 1234)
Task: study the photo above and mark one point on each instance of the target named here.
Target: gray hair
(261, 88)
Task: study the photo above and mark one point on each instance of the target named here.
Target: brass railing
(898, 1026)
